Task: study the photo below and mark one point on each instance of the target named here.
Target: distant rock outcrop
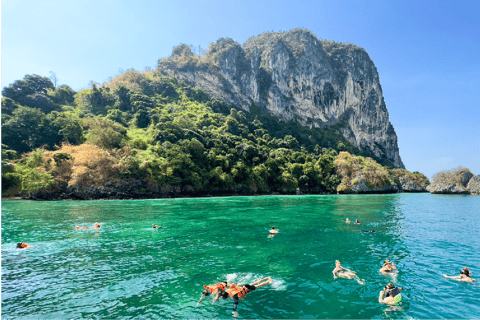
(295, 75)
(364, 175)
(456, 181)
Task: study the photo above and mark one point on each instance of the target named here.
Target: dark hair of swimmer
(465, 272)
(19, 245)
(224, 295)
(390, 286)
(273, 228)
(205, 293)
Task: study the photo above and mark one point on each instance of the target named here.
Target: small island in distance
(284, 113)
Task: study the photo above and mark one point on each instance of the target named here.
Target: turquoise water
(128, 270)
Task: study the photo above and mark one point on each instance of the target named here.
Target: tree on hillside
(31, 92)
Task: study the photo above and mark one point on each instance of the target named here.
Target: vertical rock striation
(295, 75)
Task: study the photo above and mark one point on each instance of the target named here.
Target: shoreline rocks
(456, 181)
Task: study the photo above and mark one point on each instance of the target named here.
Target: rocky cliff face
(295, 75)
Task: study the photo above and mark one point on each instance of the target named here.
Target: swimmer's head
(465, 272)
(337, 262)
(273, 228)
(390, 286)
(205, 293)
(386, 262)
(19, 245)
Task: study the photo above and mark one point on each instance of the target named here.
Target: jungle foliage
(154, 129)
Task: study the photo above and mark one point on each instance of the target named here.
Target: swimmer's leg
(360, 281)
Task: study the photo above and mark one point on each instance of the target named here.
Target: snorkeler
(238, 291)
(22, 245)
(368, 231)
(388, 267)
(96, 225)
(345, 273)
(154, 226)
(215, 289)
(81, 227)
(463, 277)
(273, 230)
(357, 221)
(390, 295)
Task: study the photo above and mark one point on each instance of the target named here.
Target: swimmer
(96, 225)
(390, 295)
(237, 291)
(154, 226)
(388, 267)
(368, 231)
(342, 272)
(357, 221)
(273, 231)
(81, 227)
(347, 220)
(215, 289)
(463, 277)
(22, 245)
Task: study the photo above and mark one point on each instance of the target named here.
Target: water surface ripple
(127, 270)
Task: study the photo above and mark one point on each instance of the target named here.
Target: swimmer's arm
(380, 297)
(201, 298)
(334, 273)
(452, 277)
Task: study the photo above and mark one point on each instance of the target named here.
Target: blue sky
(427, 53)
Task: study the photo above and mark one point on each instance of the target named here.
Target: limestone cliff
(295, 75)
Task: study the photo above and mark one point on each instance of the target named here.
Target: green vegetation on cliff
(160, 137)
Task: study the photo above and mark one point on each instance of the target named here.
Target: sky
(427, 53)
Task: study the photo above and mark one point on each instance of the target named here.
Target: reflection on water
(126, 269)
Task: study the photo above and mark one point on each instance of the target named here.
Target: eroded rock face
(474, 185)
(446, 188)
(295, 75)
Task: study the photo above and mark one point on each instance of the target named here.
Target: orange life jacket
(234, 289)
(215, 287)
(24, 245)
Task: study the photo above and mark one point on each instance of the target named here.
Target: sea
(128, 270)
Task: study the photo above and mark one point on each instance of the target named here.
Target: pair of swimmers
(95, 226)
(225, 290)
(389, 295)
(356, 221)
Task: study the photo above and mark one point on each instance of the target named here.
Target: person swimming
(215, 289)
(463, 277)
(238, 291)
(342, 272)
(96, 225)
(388, 267)
(390, 295)
(273, 231)
(347, 220)
(357, 221)
(368, 231)
(81, 227)
(21, 245)
(154, 226)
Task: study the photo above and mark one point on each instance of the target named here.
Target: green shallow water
(128, 270)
